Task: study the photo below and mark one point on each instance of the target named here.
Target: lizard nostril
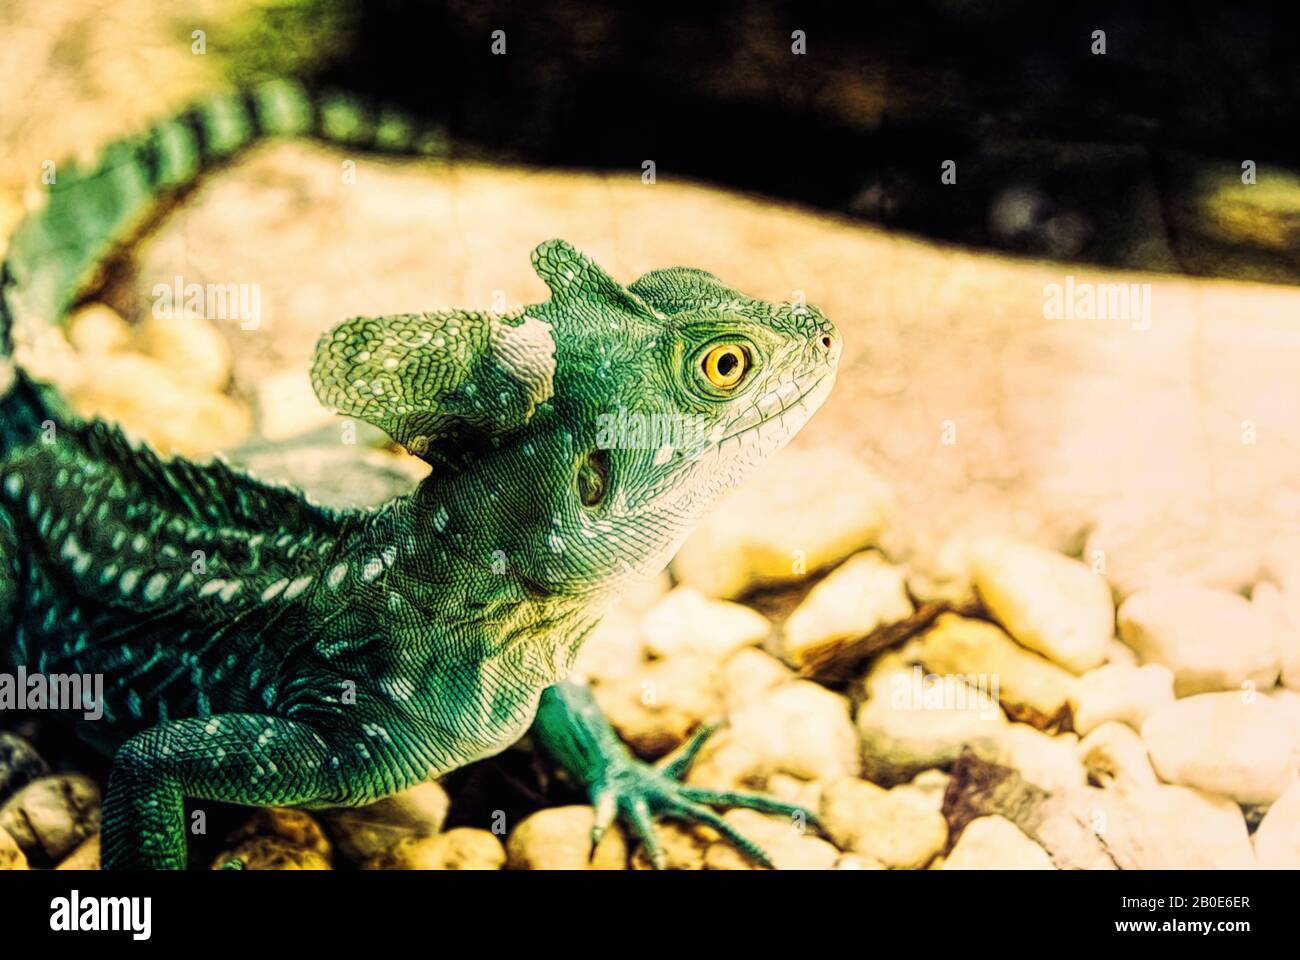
(826, 343)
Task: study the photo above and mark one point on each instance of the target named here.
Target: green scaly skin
(259, 649)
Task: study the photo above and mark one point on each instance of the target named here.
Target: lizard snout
(828, 345)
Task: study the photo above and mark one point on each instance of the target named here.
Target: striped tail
(58, 251)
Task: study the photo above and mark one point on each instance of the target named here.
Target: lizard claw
(638, 794)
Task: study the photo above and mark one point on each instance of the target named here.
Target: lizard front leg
(572, 729)
(246, 758)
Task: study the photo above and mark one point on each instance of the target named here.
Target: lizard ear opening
(437, 383)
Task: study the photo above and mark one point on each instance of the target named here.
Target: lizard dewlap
(258, 649)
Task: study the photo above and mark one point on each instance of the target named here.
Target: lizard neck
(423, 613)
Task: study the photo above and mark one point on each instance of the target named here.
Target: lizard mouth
(783, 410)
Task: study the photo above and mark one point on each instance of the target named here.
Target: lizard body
(260, 649)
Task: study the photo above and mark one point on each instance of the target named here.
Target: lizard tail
(58, 253)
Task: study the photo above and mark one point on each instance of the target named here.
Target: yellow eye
(724, 365)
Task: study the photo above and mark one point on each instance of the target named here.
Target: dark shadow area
(1131, 157)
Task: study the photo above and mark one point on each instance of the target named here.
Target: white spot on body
(527, 353)
(297, 586)
(154, 587)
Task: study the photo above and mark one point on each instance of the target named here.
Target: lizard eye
(725, 364)
(593, 474)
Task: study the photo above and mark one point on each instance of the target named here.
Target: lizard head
(577, 441)
(672, 389)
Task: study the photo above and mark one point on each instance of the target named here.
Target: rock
(1119, 653)
(1288, 701)
(616, 647)
(941, 571)
(462, 848)
(271, 853)
(1176, 828)
(1277, 840)
(1048, 762)
(684, 847)
(613, 650)
(724, 763)
(800, 728)
(85, 857)
(1183, 541)
(799, 513)
(131, 390)
(191, 347)
(898, 828)
(1115, 756)
(96, 329)
(1049, 603)
(335, 475)
(1029, 687)
(559, 838)
(655, 708)
(1282, 563)
(50, 816)
(1154, 827)
(1210, 639)
(368, 833)
(296, 827)
(20, 764)
(1284, 610)
(1236, 744)
(11, 855)
(995, 843)
(1120, 693)
(687, 622)
(788, 847)
(929, 786)
(909, 724)
(287, 406)
(804, 793)
(856, 861)
(749, 675)
(859, 596)
(640, 594)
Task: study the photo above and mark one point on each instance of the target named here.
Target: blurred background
(930, 174)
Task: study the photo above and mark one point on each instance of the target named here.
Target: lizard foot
(638, 793)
